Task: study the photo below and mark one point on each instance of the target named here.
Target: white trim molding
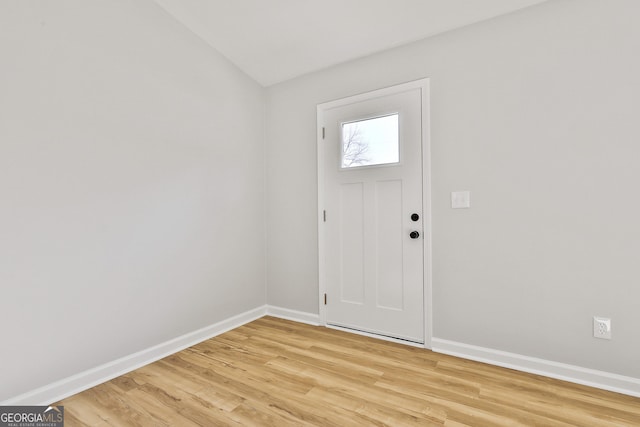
(575, 374)
(294, 315)
(69, 386)
(74, 384)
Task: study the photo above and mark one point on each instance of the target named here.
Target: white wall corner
(296, 316)
(575, 374)
(74, 384)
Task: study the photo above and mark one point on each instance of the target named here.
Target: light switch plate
(460, 199)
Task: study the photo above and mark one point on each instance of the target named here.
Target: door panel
(389, 250)
(352, 243)
(372, 181)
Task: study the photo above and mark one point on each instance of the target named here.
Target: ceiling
(276, 40)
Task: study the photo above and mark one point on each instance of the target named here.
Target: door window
(370, 142)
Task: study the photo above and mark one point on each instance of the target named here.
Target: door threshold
(377, 336)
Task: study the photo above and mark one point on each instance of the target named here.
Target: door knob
(414, 234)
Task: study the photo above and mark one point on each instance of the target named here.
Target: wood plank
(274, 372)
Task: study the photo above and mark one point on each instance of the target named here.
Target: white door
(371, 226)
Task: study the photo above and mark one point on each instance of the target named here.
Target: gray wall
(536, 113)
(131, 186)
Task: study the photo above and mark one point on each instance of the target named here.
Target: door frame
(423, 85)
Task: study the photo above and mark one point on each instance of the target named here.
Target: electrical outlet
(602, 327)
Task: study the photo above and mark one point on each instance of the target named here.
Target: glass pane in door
(370, 142)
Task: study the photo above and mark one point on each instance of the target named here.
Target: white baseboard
(547, 368)
(296, 316)
(66, 387)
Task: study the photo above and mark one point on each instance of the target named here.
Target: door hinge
(325, 299)
(324, 216)
(323, 132)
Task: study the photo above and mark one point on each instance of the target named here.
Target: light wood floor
(273, 372)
